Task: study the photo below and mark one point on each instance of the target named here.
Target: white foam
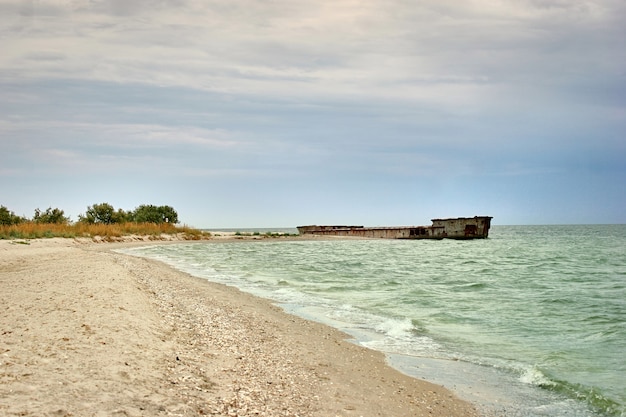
(396, 328)
(533, 376)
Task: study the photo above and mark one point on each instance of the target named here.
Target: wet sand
(85, 331)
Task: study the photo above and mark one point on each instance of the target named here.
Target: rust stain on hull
(454, 228)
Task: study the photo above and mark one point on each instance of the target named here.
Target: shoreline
(89, 331)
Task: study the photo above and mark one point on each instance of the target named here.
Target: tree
(169, 215)
(103, 213)
(120, 216)
(8, 218)
(148, 213)
(56, 216)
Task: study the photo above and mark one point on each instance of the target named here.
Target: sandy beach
(86, 331)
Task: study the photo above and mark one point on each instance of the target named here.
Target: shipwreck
(455, 228)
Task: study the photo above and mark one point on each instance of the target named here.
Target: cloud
(336, 92)
(46, 56)
(71, 146)
(323, 48)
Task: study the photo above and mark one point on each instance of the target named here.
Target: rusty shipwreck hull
(455, 228)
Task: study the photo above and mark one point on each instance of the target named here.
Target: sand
(85, 331)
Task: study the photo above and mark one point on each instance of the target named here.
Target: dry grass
(30, 230)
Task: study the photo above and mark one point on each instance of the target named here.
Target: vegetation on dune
(50, 216)
(104, 213)
(105, 222)
(100, 220)
(32, 230)
(8, 217)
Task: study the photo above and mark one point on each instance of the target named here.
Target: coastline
(88, 331)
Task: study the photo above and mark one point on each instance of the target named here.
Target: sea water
(529, 322)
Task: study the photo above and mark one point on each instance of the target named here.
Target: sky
(275, 113)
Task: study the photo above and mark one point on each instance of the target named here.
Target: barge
(476, 227)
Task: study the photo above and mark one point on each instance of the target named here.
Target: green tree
(148, 213)
(169, 215)
(103, 213)
(120, 216)
(51, 215)
(8, 218)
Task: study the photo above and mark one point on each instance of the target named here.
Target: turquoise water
(529, 322)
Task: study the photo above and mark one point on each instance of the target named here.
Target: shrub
(103, 213)
(147, 213)
(50, 216)
(8, 217)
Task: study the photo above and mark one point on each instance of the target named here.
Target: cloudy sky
(275, 113)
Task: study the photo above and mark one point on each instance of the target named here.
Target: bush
(147, 213)
(50, 216)
(7, 218)
(103, 213)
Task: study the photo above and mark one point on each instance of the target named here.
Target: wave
(476, 303)
(590, 395)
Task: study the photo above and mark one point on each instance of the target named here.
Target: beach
(86, 331)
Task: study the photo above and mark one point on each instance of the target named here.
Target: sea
(529, 322)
